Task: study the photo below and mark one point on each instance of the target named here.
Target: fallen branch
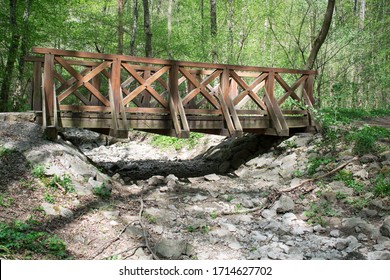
(144, 233)
(319, 177)
(109, 243)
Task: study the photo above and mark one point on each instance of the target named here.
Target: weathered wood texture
(118, 92)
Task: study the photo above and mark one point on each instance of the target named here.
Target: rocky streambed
(132, 200)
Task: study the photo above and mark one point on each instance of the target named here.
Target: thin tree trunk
(203, 34)
(12, 56)
(120, 27)
(147, 29)
(170, 29)
(321, 36)
(23, 53)
(230, 24)
(134, 31)
(213, 29)
(362, 13)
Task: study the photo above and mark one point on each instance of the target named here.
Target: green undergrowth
(21, 239)
(166, 142)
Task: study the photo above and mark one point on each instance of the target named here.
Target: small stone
(268, 213)
(235, 245)
(164, 189)
(171, 248)
(258, 236)
(379, 255)
(362, 174)
(334, 233)
(319, 229)
(156, 180)
(385, 227)
(212, 177)
(284, 204)
(198, 197)
(341, 244)
(240, 173)
(134, 231)
(111, 214)
(362, 237)
(116, 176)
(368, 158)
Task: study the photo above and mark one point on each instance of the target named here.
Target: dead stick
(319, 177)
(144, 233)
(108, 244)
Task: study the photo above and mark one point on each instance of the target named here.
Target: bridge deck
(117, 93)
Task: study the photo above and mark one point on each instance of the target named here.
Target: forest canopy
(353, 63)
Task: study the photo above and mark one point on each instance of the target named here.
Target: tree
(147, 29)
(11, 59)
(321, 36)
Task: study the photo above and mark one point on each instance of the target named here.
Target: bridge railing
(119, 85)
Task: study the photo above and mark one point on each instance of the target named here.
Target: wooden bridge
(114, 93)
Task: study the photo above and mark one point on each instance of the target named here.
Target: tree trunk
(19, 91)
(321, 36)
(203, 34)
(120, 27)
(362, 13)
(147, 29)
(213, 29)
(12, 56)
(170, 28)
(134, 31)
(230, 24)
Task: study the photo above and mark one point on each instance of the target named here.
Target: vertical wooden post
(96, 82)
(36, 102)
(176, 108)
(309, 88)
(117, 130)
(233, 90)
(270, 84)
(146, 98)
(48, 73)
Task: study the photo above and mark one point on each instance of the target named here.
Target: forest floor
(86, 196)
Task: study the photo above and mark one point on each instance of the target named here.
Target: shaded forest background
(353, 63)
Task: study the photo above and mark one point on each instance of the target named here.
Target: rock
(362, 237)
(341, 244)
(212, 177)
(288, 165)
(268, 213)
(234, 244)
(329, 196)
(56, 210)
(368, 158)
(369, 213)
(198, 197)
(134, 231)
(258, 236)
(354, 226)
(82, 189)
(302, 139)
(334, 233)
(362, 174)
(156, 180)
(240, 173)
(171, 248)
(385, 227)
(385, 156)
(319, 229)
(284, 204)
(170, 178)
(353, 244)
(220, 233)
(229, 227)
(379, 255)
(260, 162)
(111, 215)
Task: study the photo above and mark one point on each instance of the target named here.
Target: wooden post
(309, 88)
(36, 103)
(175, 104)
(48, 73)
(96, 82)
(145, 95)
(117, 130)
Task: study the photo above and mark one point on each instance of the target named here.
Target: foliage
(49, 198)
(349, 181)
(315, 162)
(318, 211)
(38, 171)
(64, 182)
(5, 152)
(102, 191)
(6, 201)
(20, 238)
(164, 142)
(382, 185)
(365, 139)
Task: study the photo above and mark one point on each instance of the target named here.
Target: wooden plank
(290, 91)
(37, 84)
(200, 87)
(48, 72)
(146, 110)
(309, 88)
(88, 108)
(146, 83)
(202, 112)
(248, 90)
(133, 59)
